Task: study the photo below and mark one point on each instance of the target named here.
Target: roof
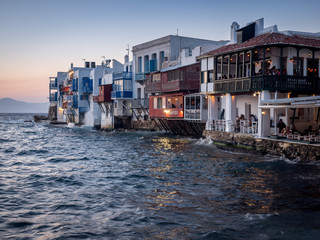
(266, 39)
(177, 66)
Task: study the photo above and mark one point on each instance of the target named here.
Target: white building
(262, 72)
(160, 54)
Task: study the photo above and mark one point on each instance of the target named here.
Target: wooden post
(298, 63)
(281, 57)
(243, 57)
(237, 65)
(215, 59)
(264, 62)
(251, 64)
(228, 66)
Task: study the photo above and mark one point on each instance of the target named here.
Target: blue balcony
(74, 103)
(140, 77)
(87, 85)
(122, 75)
(75, 85)
(83, 109)
(53, 82)
(53, 97)
(121, 94)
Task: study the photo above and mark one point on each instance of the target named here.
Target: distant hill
(9, 105)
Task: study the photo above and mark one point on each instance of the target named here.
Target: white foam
(259, 216)
(204, 141)
(71, 125)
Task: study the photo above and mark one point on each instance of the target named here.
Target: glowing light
(263, 113)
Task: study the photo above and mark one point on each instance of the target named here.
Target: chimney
(126, 58)
(87, 64)
(233, 33)
(93, 64)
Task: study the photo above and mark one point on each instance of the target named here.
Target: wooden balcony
(232, 85)
(283, 83)
(104, 94)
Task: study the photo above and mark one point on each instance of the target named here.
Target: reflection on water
(75, 183)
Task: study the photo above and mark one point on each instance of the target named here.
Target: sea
(66, 182)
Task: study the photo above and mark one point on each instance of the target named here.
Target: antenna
(177, 32)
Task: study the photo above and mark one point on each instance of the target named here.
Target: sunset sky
(41, 37)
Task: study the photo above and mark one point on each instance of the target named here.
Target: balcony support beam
(237, 65)
(264, 62)
(298, 63)
(251, 64)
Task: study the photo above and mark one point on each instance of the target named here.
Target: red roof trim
(266, 39)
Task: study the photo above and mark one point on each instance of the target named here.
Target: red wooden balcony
(65, 89)
(104, 94)
(174, 79)
(153, 83)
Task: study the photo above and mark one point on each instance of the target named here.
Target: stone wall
(247, 143)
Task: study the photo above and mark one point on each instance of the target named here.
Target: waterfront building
(106, 96)
(53, 98)
(261, 76)
(55, 112)
(155, 57)
(122, 93)
(168, 89)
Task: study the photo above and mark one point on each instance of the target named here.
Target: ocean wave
(259, 216)
(31, 152)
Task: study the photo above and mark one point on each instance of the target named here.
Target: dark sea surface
(58, 182)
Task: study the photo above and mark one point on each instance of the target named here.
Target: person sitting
(281, 125)
(293, 129)
(285, 131)
(259, 72)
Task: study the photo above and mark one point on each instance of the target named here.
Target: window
(312, 69)
(174, 102)
(139, 64)
(210, 76)
(159, 102)
(146, 63)
(139, 93)
(156, 77)
(204, 77)
(161, 55)
(197, 102)
(187, 102)
(298, 70)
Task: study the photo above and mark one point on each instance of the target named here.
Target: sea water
(60, 182)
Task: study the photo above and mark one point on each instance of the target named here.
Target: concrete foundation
(246, 143)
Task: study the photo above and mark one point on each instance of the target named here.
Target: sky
(42, 37)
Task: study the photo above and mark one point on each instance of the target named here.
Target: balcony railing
(140, 77)
(53, 97)
(121, 94)
(87, 90)
(140, 103)
(285, 83)
(233, 85)
(271, 83)
(122, 75)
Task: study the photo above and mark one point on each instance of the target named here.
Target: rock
(38, 118)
